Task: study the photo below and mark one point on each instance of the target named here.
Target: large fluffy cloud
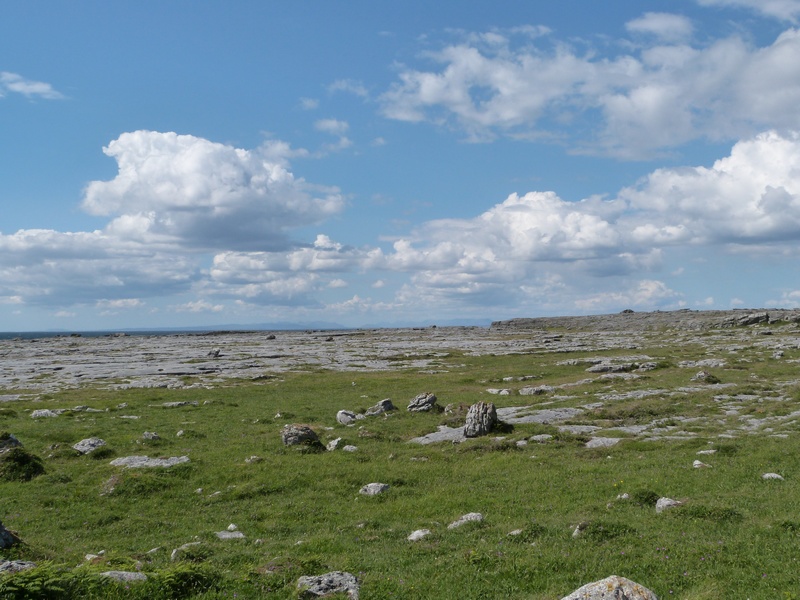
(638, 103)
(189, 191)
(750, 199)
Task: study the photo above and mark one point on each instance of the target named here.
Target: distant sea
(315, 326)
(33, 335)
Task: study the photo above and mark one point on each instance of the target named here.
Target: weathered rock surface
(422, 402)
(7, 538)
(346, 417)
(417, 535)
(8, 441)
(467, 518)
(381, 407)
(144, 462)
(481, 419)
(666, 503)
(15, 566)
(336, 582)
(373, 489)
(612, 588)
(296, 434)
(181, 551)
(125, 576)
(89, 445)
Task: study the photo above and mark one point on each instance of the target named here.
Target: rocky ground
(31, 367)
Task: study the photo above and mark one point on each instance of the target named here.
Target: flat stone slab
(139, 462)
(125, 576)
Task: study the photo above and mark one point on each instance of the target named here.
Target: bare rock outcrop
(296, 435)
(612, 588)
(335, 582)
(422, 402)
(481, 419)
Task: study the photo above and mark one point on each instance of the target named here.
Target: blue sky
(168, 164)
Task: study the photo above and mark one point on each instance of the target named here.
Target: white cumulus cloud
(638, 103)
(192, 192)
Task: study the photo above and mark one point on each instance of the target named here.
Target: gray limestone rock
(666, 503)
(43, 413)
(7, 538)
(183, 550)
(422, 402)
(230, 535)
(296, 434)
(612, 588)
(481, 419)
(8, 441)
(417, 535)
(125, 576)
(467, 518)
(373, 489)
(381, 407)
(139, 462)
(89, 445)
(346, 417)
(15, 566)
(335, 582)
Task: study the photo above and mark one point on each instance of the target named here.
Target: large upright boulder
(612, 588)
(481, 419)
(297, 435)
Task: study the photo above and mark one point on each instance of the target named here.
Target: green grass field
(736, 536)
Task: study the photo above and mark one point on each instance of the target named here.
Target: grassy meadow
(736, 536)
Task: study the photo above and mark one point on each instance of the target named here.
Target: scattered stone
(89, 445)
(516, 532)
(150, 435)
(580, 528)
(43, 413)
(705, 377)
(181, 551)
(481, 419)
(253, 459)
(605, 367)
(700, 465)
(422, 402)
(612, 588)
(296, 434)
(709, 451)
(138, 462)
(346, 417)
(230, 535)
(602, 442)
(541, 438)
(772, 476)
(373, 489)
(15, 566)
(468, 518)
(125, 576)
(214, 353)
(443, 434)
(417, 535)
(232, 527)
(350, 448)
(8, 538)
(538, 390)
(179, 404)
(8, 441)
(333, 444)
(666, 504)
(499, 392)
(381, 407)
(336, 582)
